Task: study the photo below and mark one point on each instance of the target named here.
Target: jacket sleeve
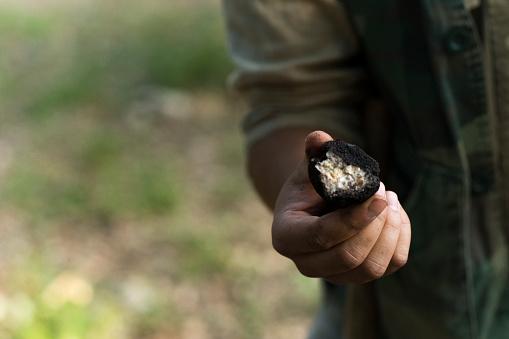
(297, 64)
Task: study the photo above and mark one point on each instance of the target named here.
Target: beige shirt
(295, 65)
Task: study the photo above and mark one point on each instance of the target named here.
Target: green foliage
(55, 309)
(44, 194)
(125, 187)
(201, 255)
(22, 25)
(96, 191)
(184, 51)
(101, 174)
(95, 55)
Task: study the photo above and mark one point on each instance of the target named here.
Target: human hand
(353, 245)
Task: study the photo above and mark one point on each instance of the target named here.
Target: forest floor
(125, 209)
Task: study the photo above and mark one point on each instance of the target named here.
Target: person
(422, 87)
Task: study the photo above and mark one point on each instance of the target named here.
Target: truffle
(343, 174)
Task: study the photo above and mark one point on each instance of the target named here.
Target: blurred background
(125, 211)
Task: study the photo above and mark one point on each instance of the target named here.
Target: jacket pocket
(429, 296)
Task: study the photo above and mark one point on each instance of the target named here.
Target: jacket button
(457, 40)
(480, 187)
(481, 184)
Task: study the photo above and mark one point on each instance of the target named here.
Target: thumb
(313, 146)
(314, 143)
(298, 191)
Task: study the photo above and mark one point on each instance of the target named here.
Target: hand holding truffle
(356, 244)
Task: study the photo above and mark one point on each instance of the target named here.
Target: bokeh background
(125, 211)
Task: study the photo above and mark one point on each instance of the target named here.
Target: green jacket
(427, 58)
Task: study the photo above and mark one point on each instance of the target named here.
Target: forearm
(305, 81)
(273, 159)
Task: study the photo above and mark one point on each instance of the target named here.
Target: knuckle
(307, 272)
(319, 238)
(352, 218)
(281, 239)
(373, 270)
(399, 260)
(310, 271)
(381, 220)
(279, 245)
(278, 242)
(276, 246)
(322, 241)
(392, 225)
(349, 261)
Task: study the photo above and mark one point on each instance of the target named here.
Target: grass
(73, 56)
(125, 209)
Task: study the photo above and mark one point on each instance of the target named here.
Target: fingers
(341, 225)
(389, 253)
(377, 250)
(345, 256)
(297, 232)
(356, 217)
(400, 256)
(380, 256)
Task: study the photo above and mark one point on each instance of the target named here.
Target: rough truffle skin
(351, 155)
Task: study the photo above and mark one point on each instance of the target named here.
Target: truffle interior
(343, 174)
(336, 175)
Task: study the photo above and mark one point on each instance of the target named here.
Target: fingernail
(392, 201)
(375, 208)
(381, 190)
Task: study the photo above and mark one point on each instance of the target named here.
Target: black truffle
(343, 174)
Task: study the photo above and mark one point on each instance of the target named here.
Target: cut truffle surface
(343, 174)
